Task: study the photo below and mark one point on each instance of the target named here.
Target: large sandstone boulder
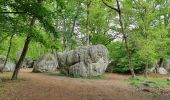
(48, 63)
(84, 61)
(10, 65)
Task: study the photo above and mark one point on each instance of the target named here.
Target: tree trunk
(22, 57)
(54, 52)
(9, 49)
(146, 70)
(3, 38)
(74, 24)
(87, 24)
(125, 39)
(63, 33)
(160, 62)
(23, 54)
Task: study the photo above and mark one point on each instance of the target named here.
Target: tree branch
(12, 12)
(117, 10)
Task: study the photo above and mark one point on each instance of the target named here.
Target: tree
(125, 36)
(37, 11)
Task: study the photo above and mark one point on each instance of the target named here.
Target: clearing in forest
(37, 86)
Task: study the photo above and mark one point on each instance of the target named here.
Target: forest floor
(38, 86)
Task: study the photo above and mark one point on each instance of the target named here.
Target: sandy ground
(37, 86)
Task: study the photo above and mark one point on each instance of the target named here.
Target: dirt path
(49, 87)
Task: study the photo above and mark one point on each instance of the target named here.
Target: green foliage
(99, 38)
(149, 82)
(35, 50)
(119, 60)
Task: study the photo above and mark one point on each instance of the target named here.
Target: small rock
(146, 90)
(162, 71)
(168, 79)
(10, 65)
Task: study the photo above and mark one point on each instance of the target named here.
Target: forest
(84, 49)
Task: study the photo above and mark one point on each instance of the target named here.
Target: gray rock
(2, 61)
(48, 63)
(162, 71)
(84, 61)
(166, 64)
(10, 65)
(168, 79)
(28, 63)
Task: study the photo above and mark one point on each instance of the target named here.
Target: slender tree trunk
(63, 34)
(125, 39)
(87, 24)
(9, 49)
(74, 23)
(22, 57)
(160, 62)
(3, 38)
(166, 22)
(54, 52)
(146, 70)
(23, 54)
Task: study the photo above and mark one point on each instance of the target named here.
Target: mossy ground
(150, 82)
(99, 77)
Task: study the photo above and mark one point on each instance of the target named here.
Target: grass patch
(2, 88)
(150, 82)
(2, 98)
(99, 77)
(4, 77)
(7, 83)
(61, 73)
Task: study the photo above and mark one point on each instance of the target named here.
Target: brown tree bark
(25, 49)
(125, 37)
(87, 23)
(146, 70)
(23, 54)
(73, 35)
(22, 57)
(64, 32)
(9, 50)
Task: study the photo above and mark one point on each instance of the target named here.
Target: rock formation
(48, 63)
(84, 61)
(10, 65)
